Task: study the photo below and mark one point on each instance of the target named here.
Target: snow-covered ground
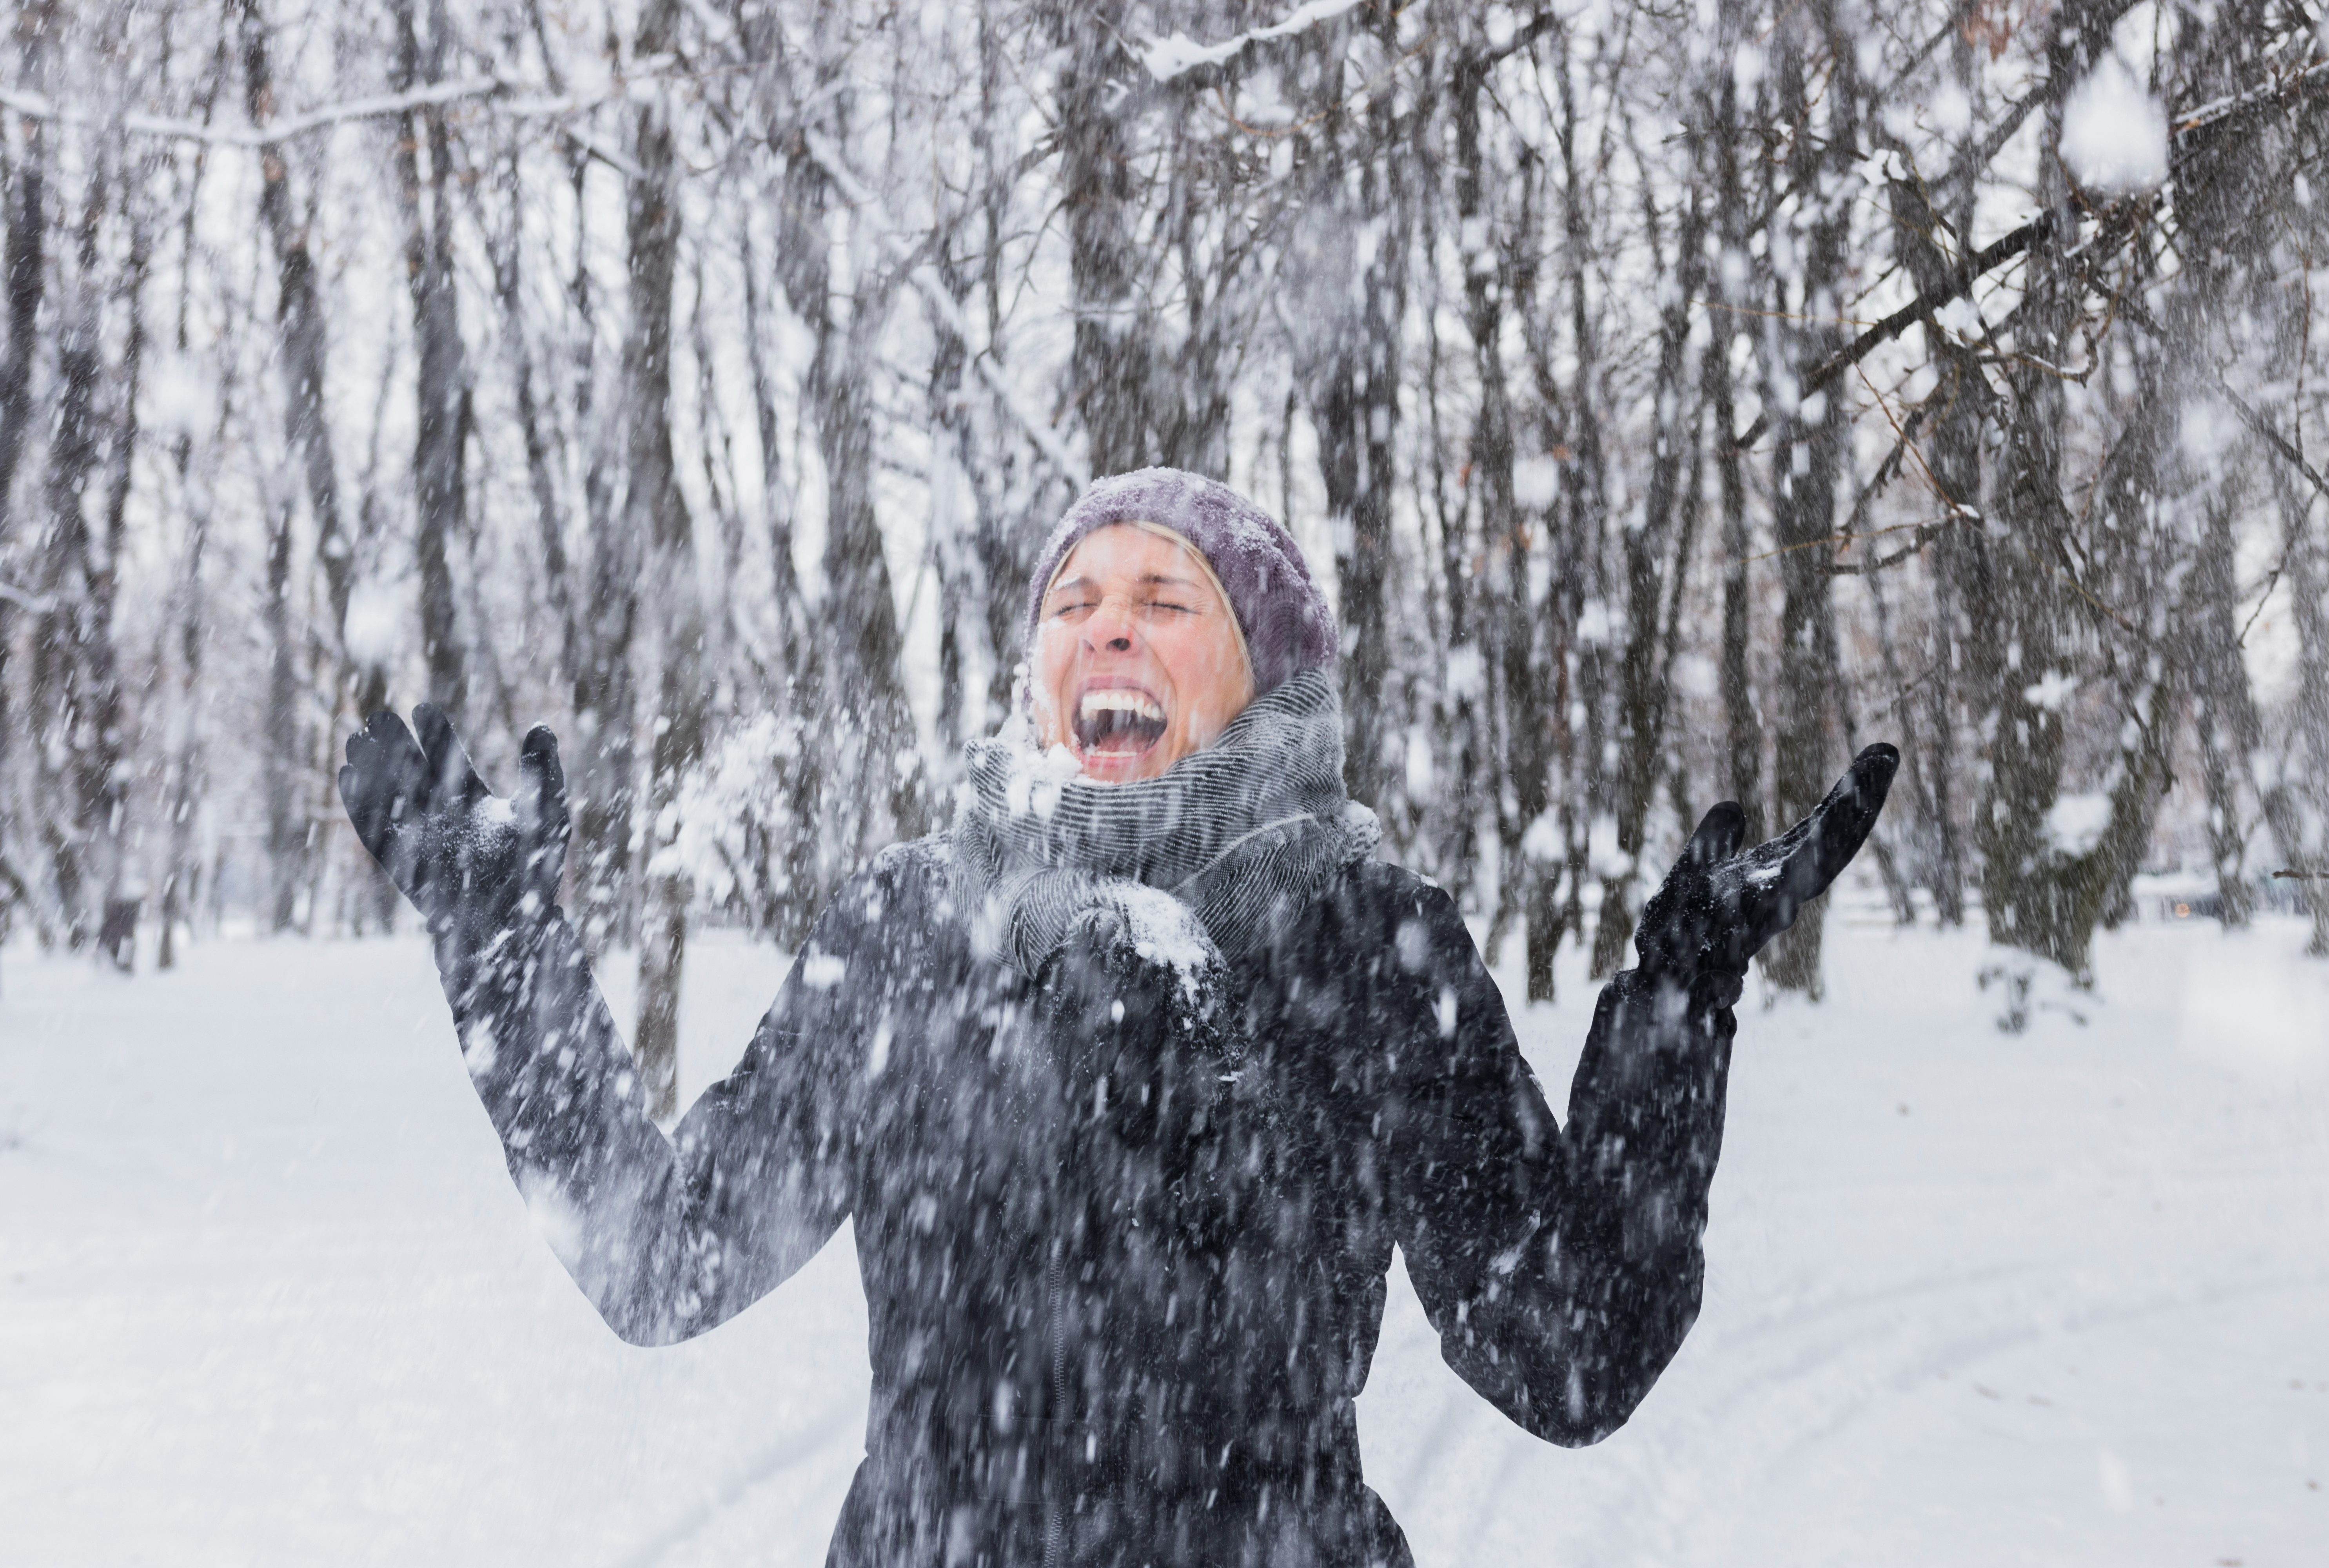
(268, 1297)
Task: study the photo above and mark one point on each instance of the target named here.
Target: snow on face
(1137, 659)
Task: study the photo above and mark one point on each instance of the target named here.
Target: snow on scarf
(1238, 834)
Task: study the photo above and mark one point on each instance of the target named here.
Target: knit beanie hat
(1287, 625)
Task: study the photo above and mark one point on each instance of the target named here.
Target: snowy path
(267, 1296)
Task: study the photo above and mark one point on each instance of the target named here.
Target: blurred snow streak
(1673, 400)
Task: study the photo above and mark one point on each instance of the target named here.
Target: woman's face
(1137, 661)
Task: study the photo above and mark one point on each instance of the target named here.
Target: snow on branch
(2193, 131)
(38, 106)
(1167, 58)
(2278, 94)
(39, 604)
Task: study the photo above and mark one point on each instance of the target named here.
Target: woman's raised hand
(1717, 906)
(468, 859)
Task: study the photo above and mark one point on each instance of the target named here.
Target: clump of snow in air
(2049, 691)
(2075, 823)
(1467, 673)
(737, 799)
(1694, 675)
(2114, 132)
(1171, 56)
(1950, 108)
(1536, 481)
(1038, 774)
(377, 613)
(555, 1219)
(1605, 856)
(1417, 757)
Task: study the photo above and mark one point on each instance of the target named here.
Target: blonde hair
(1237, 627)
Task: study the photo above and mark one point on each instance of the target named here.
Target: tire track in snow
(730, 1493)
(1963, 1352)
(1828, 1382)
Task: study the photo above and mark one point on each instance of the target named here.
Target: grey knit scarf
(1242, 834)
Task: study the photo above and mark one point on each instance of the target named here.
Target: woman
(1129, 1083)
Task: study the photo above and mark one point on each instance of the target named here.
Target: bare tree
(24, 274)
(1809, 455)
(442, 382)
(1586, 417)
(656, 512)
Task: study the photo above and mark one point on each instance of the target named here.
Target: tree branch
(2193, 131)
(37, 106)
(1961, 278)
(23, 598)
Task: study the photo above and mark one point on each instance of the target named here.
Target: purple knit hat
(1287, 624)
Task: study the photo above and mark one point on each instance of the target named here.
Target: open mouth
(1117, 721)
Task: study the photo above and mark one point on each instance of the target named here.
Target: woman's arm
(666, 1237)
(1561, 1266)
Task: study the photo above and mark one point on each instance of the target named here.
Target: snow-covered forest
(1672, 398)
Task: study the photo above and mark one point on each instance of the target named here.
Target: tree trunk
(535, 430)
(185, 780)
(2223, 710)
(872, 772)
(1742, 725)
(604, 778)
(300, 337)
(286, 736)
(1808, 453)
(1959, 550)
(1554, 666)
(67, 658)
(2308, 581)
(1642, 695)
(864, 679)
(1110, 373)
(1501, 528)
(2019, 661)
(442, 380)
(301, 344)
(795, 874)
(656, 511)
(104, 765)
(23, 276)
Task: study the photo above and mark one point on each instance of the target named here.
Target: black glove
(471, 862)
(1717, 906)
(1148, 1031)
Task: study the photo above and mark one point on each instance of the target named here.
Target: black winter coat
(1124, 1258)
